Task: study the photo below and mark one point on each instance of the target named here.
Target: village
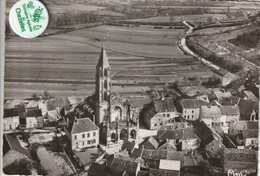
(160, 132)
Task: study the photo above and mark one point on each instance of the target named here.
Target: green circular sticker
(28, 18)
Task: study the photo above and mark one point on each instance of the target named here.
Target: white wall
(11, 123)
(87, 141)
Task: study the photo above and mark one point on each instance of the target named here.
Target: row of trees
(248, 40)
(212, 57)
(45, 95)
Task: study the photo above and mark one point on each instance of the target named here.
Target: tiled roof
(55, 103)
(161, 172)
(82, 125)
(129, 146)
(230, 110)
(240, 155)
(185, 133)
(190, 104)
(251, 96)
(235, 85)
(150, 113)
(251, 133)
(231, 101)
(32, 104)
(210, 111)
(124, 165)
(246, 109)
(12, 104)
(143, 173)
(11, 142)
(203, 132)
(136, 103)
(152, 141)
(167, 142)
(98, 170)
(164, 105)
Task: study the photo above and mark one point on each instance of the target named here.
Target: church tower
(103, 88)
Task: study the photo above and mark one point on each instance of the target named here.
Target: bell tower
(103, 88)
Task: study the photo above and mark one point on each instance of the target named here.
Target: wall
(191, 114)
(81, 142)
(12, 122)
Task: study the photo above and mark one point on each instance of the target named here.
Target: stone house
(190, 109)
(82, 133)
(161, 112)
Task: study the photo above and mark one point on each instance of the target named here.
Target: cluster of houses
(222, 125)
(177, 149)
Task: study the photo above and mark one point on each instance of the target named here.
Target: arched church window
(105, 72)
(105, 84)
(105, 96)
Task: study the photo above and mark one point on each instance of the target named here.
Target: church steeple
(103, 61)
(103, 86)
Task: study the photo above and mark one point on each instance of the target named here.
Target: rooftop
(164, 104)
(103, 60)
(210, 111)
(81, 125)
(230, 110)
(190, 104)
(12, 143)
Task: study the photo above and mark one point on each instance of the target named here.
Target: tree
(47, 95)
(35, 96)
(209, 19)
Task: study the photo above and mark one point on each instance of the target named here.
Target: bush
(19, 167)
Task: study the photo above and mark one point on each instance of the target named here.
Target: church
(113, 114)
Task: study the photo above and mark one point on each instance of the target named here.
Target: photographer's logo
(231, 172)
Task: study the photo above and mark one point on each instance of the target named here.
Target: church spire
(103, 61)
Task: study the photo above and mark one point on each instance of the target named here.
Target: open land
(65, 63)
(180, 18)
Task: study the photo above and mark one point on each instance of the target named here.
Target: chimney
(76, 120)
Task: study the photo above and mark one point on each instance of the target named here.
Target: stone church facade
(112, 113)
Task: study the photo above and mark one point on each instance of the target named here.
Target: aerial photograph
(133, 88)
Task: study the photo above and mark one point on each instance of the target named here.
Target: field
(179, 18)
(65, 63)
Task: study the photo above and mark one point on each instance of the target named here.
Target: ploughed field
(64, 64)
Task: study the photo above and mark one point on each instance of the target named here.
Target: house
(162, 111)
(236, 129)
(82, 133)
(248, 110)
(219, 95)
(12, 150)
(239, 160)
(210, 140)
(34, 122)
(98, 170)
(31, 119)
(12, 108)
(210, 114)
(153, 157)
(236, 85)
(167, 145)
(11, 123)
(149, 143)
(170, 165)
(250, 138)
(247, 95)
(231, 101)
(129, 146)
(122, 165)
(190, 109)
(230, 113)
(186, 137)
(225, 76)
